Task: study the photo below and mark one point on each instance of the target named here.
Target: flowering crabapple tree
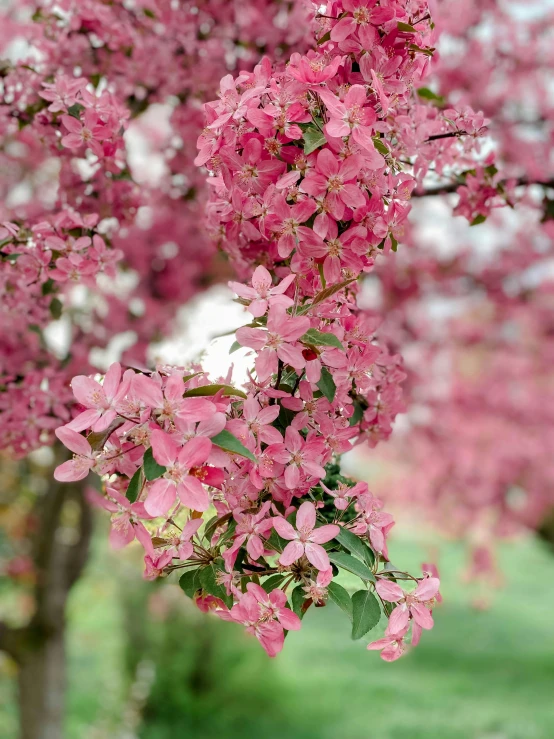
(94, 247)
(478, 452)
(240, 488)
(309, 158)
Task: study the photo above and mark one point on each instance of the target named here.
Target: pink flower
(278, 342)
(352, 117)
(363, 14)
(313, 69)
(125, 524)
(336, 181)
(83, 460)
(251, 527)
(286, 222)
(264, 616)
(100, 400)
(62, 93)
(86, 132)
(262, 293)
(178, 479)
(414, 605)
(300, 457)
(305, 539)
(392, 645)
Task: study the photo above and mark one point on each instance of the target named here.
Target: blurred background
(144, 662)
(468, 474)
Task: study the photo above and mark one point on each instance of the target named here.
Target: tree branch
(453, 187)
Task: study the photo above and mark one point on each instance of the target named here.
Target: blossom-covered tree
(306, 163)
(472, 312)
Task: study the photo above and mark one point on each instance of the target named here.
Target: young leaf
(208, 581)
(190, 582)
(478, 220)
(195, 392)
(427, 94)
(152, 470)
(365, 613)
(272, 582)
(235, 346)
(97, 439)
(406, 27)
(380, 146)
(341, 597)
(297, 601)
(327, 385)
(319, 338)
(313, 139)
(352, 542)
(229, 443)
(353, 565)
(135, 485)
(56, 308)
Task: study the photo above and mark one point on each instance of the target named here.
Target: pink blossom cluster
(240, 489)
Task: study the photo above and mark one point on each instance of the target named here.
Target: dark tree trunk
(42, 689)
(60, 543)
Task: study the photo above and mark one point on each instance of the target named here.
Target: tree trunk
(60, 543)
(42, 689)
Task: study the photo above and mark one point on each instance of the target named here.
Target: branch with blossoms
(240, 487)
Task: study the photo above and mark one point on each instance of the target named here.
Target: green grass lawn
(477, 675)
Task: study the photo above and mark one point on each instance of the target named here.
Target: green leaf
(229, 443)
(353, 543)
(478, 220)
(320, 338)
(152, 470)
(326, 37)
(272, 582)
(353, 565)
(327, 384)
(394, 243)
(208, 581)
(426, 94)
(48, 287)
(203, 390)
(190, 582)
(365, 613)
(406, 27)
(297, 601)
(97, 439)
(313, 139)
(380, 146)
(56, 308)
(357, 416)
(75, 110)
(341, 597)
(235, 346)
(323, 295)
(135, 485)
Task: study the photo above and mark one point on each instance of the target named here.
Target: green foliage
(135, 485)
(229, 443)
(340, 597)
(320, 338)
(365, 613)
(327, 385)
(152, 470)
(313, 139)
(353, 565)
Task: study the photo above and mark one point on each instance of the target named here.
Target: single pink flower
(355, 118)
(177, 480)
(262, 293)
(392, 645)
(278, 342)
(100, 400)
(305, 539)
(83, 460)
(412, 604)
